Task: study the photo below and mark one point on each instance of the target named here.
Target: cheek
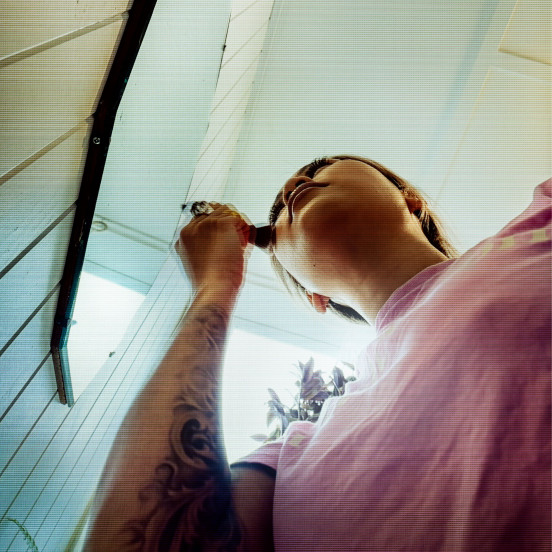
(302, 261)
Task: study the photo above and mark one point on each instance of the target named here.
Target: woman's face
(338, 224)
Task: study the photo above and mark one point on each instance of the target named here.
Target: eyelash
(318, 163)
(315, 165)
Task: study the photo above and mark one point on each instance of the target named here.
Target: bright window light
(102, 313)
(252, 365)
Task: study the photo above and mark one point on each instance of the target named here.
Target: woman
(442, 443)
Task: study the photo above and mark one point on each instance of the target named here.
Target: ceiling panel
(371, 78)
(504, 155)
(528, 33)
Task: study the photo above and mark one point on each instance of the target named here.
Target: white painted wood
(163, 116)
(36, 196)
(50, 92)
(504, 155)
(93, 456)
(222, 127)
(240, 6)
(23, 465)
(528, 32)
(26, 352)
(222, 137)
(20, 418)
(213, 167)
(122, 254)
(24, 287)
(249, 22)
(26, 24)
(240, 69)
(77, 438)
(19, 469)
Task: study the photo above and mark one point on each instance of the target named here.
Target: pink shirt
(449, 448)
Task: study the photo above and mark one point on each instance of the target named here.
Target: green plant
(26, 535)
(313, 390)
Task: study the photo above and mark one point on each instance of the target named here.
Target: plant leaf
(274, 395)
(276, 406)
(26, 535)
(338, 377)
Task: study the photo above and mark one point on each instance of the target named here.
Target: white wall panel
(21, 467)
(238, 69)
(528, 32)
(49, 93)
(36, 196)
(27, 24)
(222, 135)
(21, 417)
(81, 442)
(246, 26)
(136, 365)
(26, 353)
(24, 287)
(504, 155)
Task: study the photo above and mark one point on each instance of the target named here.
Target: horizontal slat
(35, 197)
(239, 7)
(224, 140)
(243, 27)
(23, 414)
(238, 68)
(26, 352)
(25, 286)
(91, 460)
(47, 94)
(32, 449)
(26, 24)
(73, 439)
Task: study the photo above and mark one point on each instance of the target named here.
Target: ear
(319, 302)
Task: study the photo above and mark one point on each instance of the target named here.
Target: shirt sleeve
(537, 213)
(267, 455)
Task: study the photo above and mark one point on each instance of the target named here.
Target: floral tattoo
(189, 497)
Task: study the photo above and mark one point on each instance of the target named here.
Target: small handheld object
(260, 236)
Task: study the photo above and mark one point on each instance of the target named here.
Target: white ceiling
(399, 82)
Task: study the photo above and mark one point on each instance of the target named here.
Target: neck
(376, 288)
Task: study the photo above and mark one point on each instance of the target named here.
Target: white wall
(52, 74)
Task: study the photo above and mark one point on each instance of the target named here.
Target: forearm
(167, 481)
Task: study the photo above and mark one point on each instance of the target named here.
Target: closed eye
(310, 172)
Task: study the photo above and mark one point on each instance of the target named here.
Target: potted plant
(313, 390)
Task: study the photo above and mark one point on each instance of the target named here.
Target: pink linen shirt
(448, 448)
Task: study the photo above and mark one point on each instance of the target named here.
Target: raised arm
(166, 484)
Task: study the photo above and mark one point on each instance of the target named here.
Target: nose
(291, 184)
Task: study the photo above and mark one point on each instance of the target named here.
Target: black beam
(104, 119)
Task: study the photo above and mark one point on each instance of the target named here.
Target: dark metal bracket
(104, 119)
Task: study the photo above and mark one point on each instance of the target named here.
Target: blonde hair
(430, 223)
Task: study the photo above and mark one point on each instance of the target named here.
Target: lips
(299, 192)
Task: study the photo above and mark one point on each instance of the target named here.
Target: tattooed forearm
(188, 499)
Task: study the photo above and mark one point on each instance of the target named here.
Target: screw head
(95, 140)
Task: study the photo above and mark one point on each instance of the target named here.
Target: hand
(213, 249)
